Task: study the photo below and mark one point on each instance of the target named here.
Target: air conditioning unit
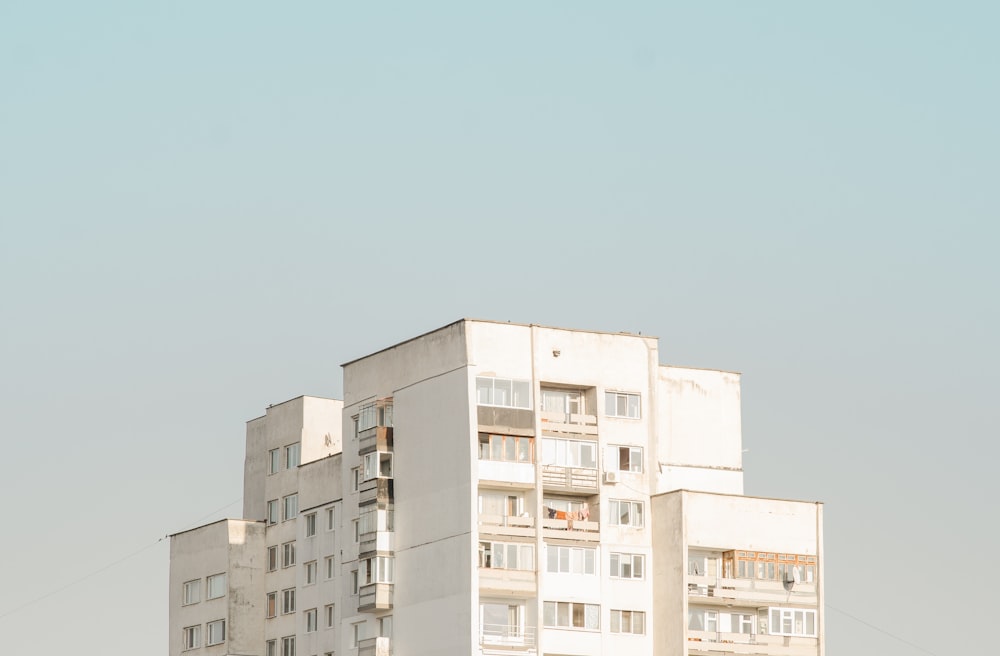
(612, 476)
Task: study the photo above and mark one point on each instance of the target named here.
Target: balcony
(749, 591)
(378, 438)
(518, 474)
(572, 529)
(517, 582)
(560, 422)
(503, 637)
(507, 525)
(374, 647)
(375, 596)
(578, 480)
(375, 489)
(714, 642)
(378, 541)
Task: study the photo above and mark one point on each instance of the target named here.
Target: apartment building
(494, 488)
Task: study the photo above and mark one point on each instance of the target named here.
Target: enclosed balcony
(566, 411)
(377, 438)
(716, 642)
(511, 525)
(569, 466)
(569, 480)
(375, 596)
(375, 647)
(709, 589)
(378, 490)
(571, 518)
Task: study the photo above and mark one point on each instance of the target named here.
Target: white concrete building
(503, 489)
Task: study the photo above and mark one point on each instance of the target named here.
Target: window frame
(524, 391)
(288, 646)
(288, 554)
(272, 558)
(632, 452)
(271, 604)
(487, 558)
(310, 524)
(191, 637)
(331, 518)
(614, 516)
(288, 601)
(782, 611)
(567, 452)
(595, 612)
(289, 506)
(330, 569)
(273, 511)
(312, 620)
(293, 455)
(273, 461)
(209, 580)
(615, 571)
(565, 552)
(633, 616)
(310, 572)
(187, 597)
(628, 397)
(497, 444)
(329, 612)
(209, 630)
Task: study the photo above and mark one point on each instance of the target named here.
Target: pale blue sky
(207, 207)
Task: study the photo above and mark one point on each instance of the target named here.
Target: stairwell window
(503, 392)
(621, 404)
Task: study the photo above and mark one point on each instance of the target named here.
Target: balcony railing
(750, 590)
(713, 642)
(383, 541)
(561, 422)
(374, 647)
(575, 529)
(378, 438)
(507, 636)
(520, 582)
(507, 525)
(375, 596)
(569, 479)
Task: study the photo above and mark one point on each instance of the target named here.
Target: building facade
(494, 488)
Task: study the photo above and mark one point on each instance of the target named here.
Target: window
(292, 455)
(558, 508)
(368, 520)
(569, 453)
(626, 513)
(567, 402)
(272, 558)
(215, 586)
(310, 525)
(192, 637)
(354, 581)
(288, 646)
(571, 615)
(288, 601)
(356, 477)
(272, 511)
(377, 464)
(288, 554)
(627, 566)
(769, 566)
(310, 572)
(356, 529)
(385, 626)
(503, 392)
(328, 567)
(499, 503)
(741, 623)
(700, 619)
(271, 648)
(216, 632)
(273, 461)
(311, 620)
(330, 519)
(571, 560)
(357, 633)
(506, 555)
(384, 414)
(506, 448)
(367, 417)
(291, 507)
(628, 621)
(328, 612)
(624, 458)
(192, 592)
(378, 569)
(621, 404)
(271, 607)
(792, 622)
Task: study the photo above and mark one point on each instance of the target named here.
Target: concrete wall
(669, 626)
(232, 547)
(700, 442)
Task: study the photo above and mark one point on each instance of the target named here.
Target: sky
(207, 207)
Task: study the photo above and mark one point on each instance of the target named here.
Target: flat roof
(736, 496)
(503, 323)
(295, 398)
(225, 519)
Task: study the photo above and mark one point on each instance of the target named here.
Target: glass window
(292, 455)
(271, 648)
(311, 620)
(626, 513)
(288, 601)
(330, 519)
(288, 646)
(291, 507)
(621, 404)
(272, 511)
(288, 554)
(272, 558)
(571, 560)
(271, 606)
(503, 392)
(192, 592)
(628, 621)
(329, 568)
(310, 525)
(328, 611)
(367, 417)
(273, 461)
(216, 632)
(569, 453)
(215, 586)
(624, 458)
(627, 566)
(192, 637)
(571, 615)
(508, 448)
(310, 572)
